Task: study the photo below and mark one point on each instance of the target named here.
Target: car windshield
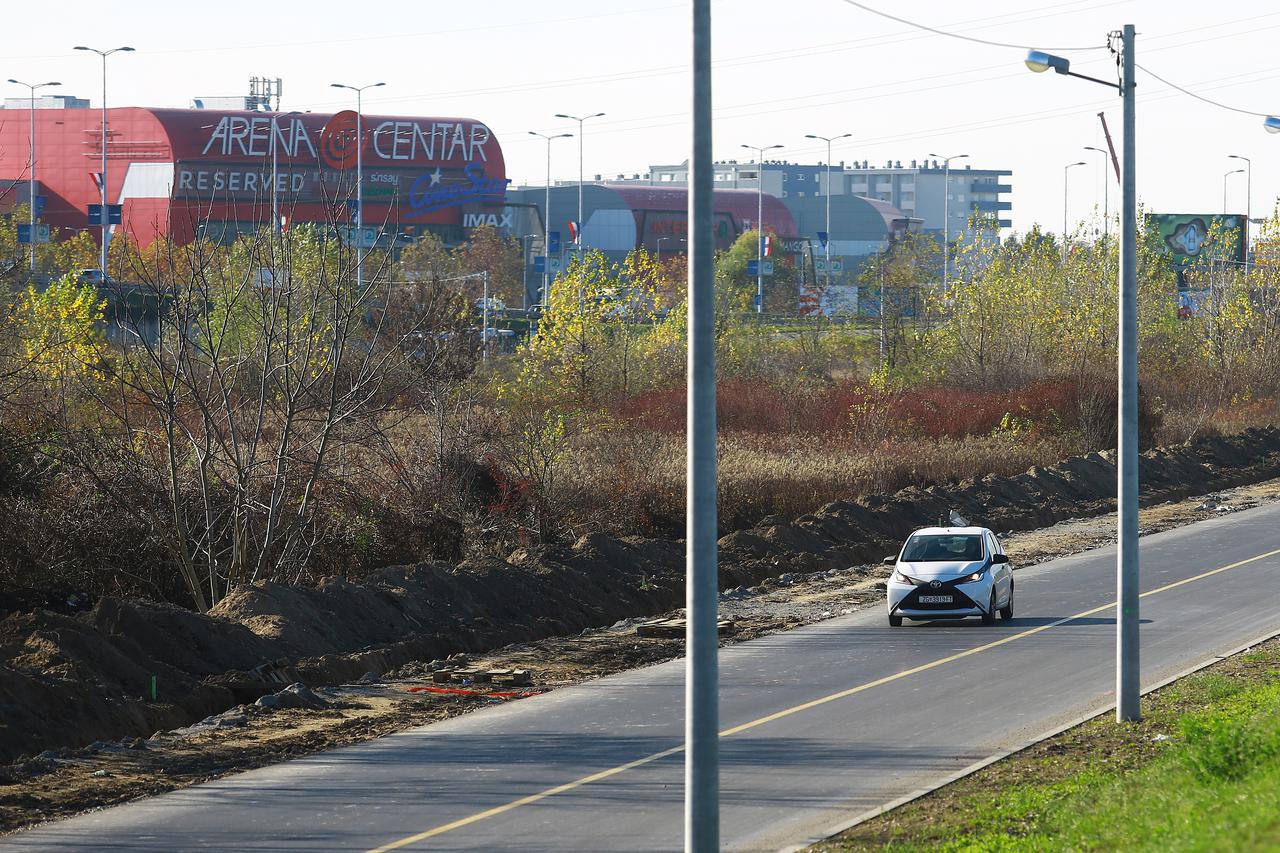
(943, 547)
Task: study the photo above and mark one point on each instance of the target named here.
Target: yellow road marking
(787, 712)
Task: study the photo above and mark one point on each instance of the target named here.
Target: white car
(950, 573)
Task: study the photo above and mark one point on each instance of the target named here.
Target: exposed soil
(70, 681)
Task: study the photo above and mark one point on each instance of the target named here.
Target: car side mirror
(889, 561)
(999, 558)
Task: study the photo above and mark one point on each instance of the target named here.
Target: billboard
(1192, 238)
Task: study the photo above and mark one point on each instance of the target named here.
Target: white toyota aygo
(950, 573)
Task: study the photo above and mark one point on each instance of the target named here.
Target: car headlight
(899, 577)
(976, 576)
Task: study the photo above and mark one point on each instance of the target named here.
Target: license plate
(936, 599)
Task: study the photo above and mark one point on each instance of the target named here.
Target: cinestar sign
(429, 193)
(389, 141)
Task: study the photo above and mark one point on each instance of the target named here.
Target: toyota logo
(935, 584)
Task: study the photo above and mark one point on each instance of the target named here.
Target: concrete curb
(1005, 753)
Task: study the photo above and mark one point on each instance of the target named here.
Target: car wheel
(1006, 612)
(989, 618)
(895, 621)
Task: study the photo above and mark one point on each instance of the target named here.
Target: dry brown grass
(763, 475)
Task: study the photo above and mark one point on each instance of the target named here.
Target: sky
(781, 70)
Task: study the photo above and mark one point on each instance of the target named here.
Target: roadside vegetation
(1201, 771)
(255, 416)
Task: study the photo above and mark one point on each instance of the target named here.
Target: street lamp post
(760, 221)
(104, 219)
(1248, 204)
(524, 270)
(1066, 170)
(359, 90)
(946, 213)
(579, 120)
(275, 177)
(1127, 674)
(1224, 187)
(31, 177)
(546, 216)
(1106, 185)
(827, 245)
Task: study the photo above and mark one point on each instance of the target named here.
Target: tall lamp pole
(105, 218)
(360, 253)
(1066, 170)
(946, 214)
(1226, 175)
(546, 216)
(31, 177)
(1248, 204)
(275, 177)
(1106, 186)
(1127, 648)
(579, 120)
(760, 221)
(827, 245)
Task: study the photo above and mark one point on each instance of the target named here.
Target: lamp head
(806, 136)
(1272, 124)
(1039, 62)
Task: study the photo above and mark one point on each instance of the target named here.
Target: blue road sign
(39, 202)
(753, 266)
(553, 243)
(353, 205)
(113, 214)
(24, 233)
(822, 238)
(540, 265)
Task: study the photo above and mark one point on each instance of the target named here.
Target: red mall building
(209, 173)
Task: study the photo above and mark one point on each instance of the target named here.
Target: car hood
(940, 571)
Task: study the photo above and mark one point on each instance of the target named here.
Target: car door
(1002, 572)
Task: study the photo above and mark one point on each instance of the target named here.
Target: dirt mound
(68, 680)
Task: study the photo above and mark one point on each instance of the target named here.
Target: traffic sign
(353, 206)
(543, 265)
(39, 202)
(820, 264)
(364, 237)
(113, 214)
(24, 233)
(822, 239)
(553, 242)
(753, 266)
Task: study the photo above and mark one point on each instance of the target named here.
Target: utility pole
(702, 708)
(1128, 690)
(1128, 678)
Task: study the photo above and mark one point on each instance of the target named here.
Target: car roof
(950, 531)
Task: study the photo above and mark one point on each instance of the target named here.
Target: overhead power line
(864, 7)
(1199, 97)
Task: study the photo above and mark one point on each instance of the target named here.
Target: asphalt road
(819, 724)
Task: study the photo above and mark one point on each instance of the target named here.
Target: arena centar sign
(389, 140)
(418, 165)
